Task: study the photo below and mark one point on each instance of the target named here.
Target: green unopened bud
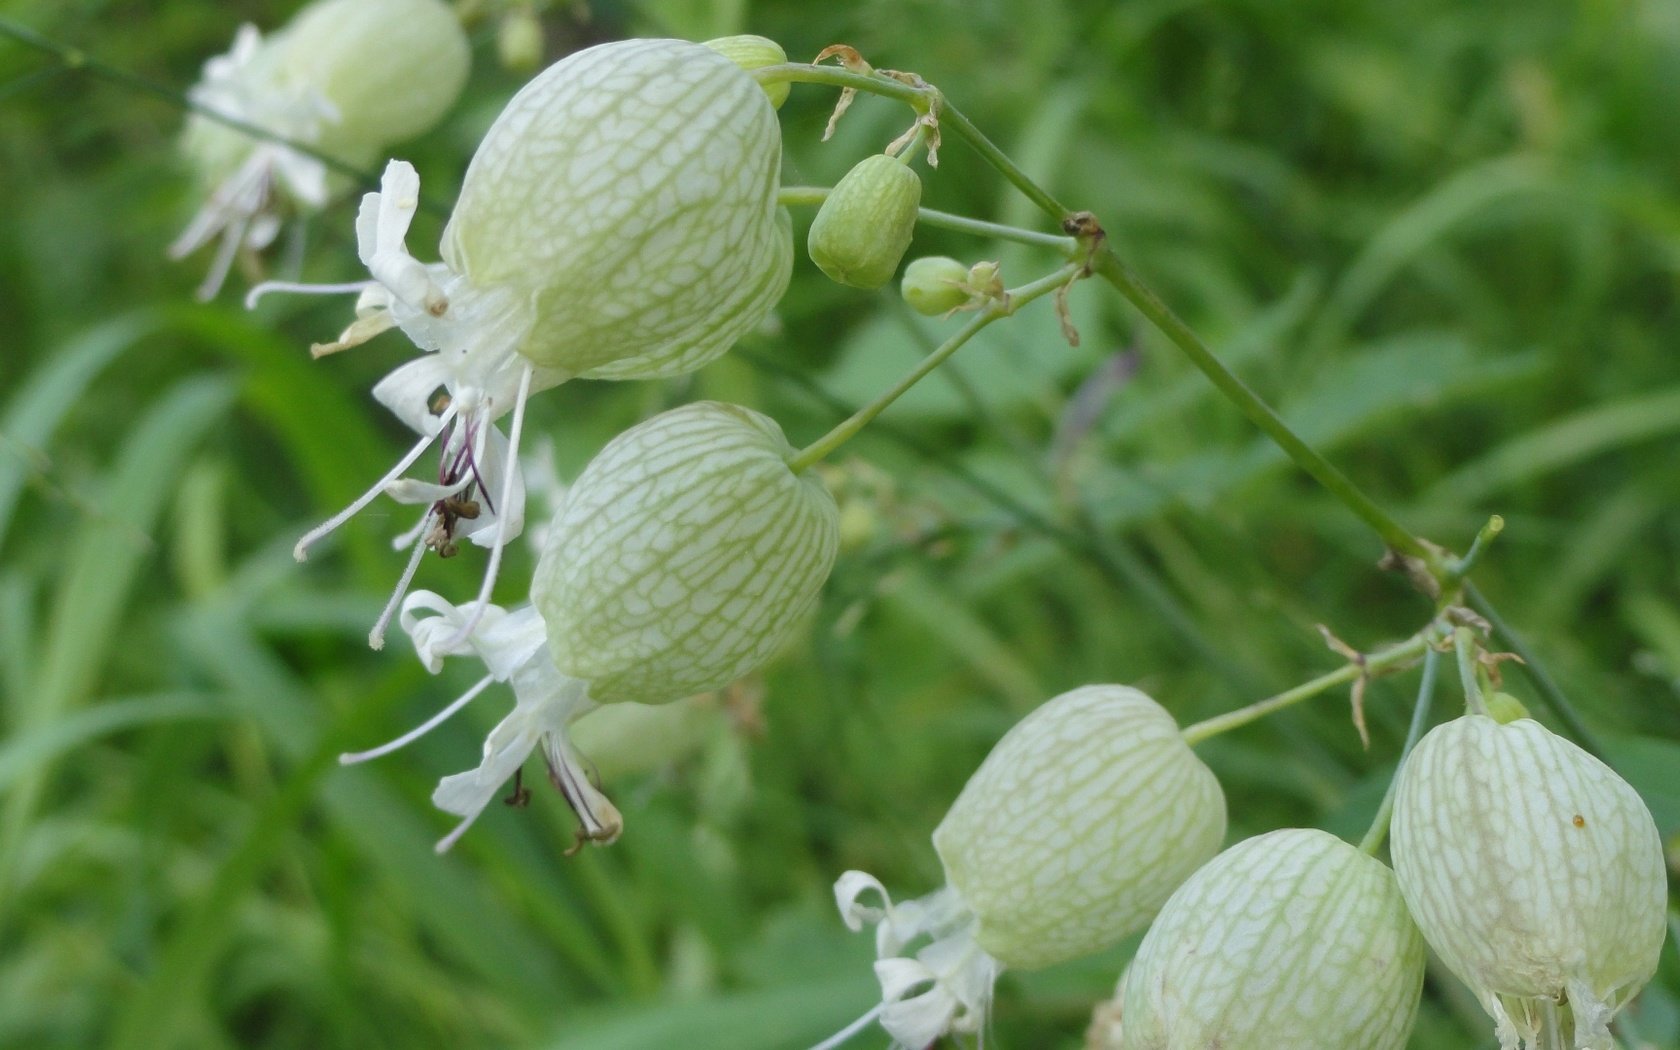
(935, 284)
(519, 40)
(685, 555)
(1504, 708)
(1533, 870)
(865, 224)
(1074, 831)
(1290, 939)
(755, 52)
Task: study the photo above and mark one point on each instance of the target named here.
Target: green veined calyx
(684, 557)
(1073, 832)
(866, 222)
(937, 284)
(1534, 871)
(619, 221)
(754, 52)
(1292, 938)
(347, 77)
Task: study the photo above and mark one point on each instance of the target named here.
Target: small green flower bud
(1533, 870)
(935, 284)
(685, 555)
(1074, 831)
(754, 52)
(1504, 708)
(1291, 939)
(519, 40)
(864, 226)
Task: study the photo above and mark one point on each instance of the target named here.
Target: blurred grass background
(1444, 238)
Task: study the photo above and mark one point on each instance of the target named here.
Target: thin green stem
(805, 196)
(952, 118)
(1374, 664)
(1464, 647)
(1459, 568)
(76, 60)
(919, 98)
(923, 99)
(1544, 684)
(1013, 300)
(1397, 537)
(1378, 830)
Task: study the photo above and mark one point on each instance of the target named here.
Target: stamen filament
(843, 1035)
(500, 543)
(301, 551)
(352, 758)
(303, 288)
(376, 637)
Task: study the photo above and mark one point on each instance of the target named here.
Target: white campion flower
(682, 558)
(1078, 826)
(512, 645)
(619, 221)
(1534, 871)
(346, 77)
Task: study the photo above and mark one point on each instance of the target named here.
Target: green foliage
(1442, 238)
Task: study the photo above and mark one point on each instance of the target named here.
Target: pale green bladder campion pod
(346, 77)
(619, 221)
(866, 222)
(1074, 831)
(628, 194)
(1289, 939)
(684, 556)
(1533, 870)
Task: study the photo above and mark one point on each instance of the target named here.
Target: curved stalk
(1378, 830)
(1372, 665)
(815, 195)
(1011, 301)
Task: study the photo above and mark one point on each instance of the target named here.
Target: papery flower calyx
(1290, 939)
(1533, 870)
(1074, 831)
(619, 221)
(684, 556)
(346, 77)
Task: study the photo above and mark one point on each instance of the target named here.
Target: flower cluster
(621, 220)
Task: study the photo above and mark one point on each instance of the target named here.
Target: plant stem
(1543, 682)
(813, 195)
(1374, 664)
(1378, 830)
(1011, 301)
(923, 99)
(1108, 265)
(1464, 644)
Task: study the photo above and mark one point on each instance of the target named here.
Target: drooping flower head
(1533, 870)
(1293, 938)
(1074, 831)
(619, 221)
(682, 558)
(346, 77)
